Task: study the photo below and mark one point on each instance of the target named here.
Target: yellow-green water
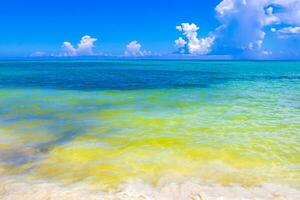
(230, 128)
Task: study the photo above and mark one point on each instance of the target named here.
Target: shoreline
(18, 188)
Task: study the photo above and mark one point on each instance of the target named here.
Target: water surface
(106, 122)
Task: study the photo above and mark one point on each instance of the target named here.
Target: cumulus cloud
(288, 12)
(244, 22)
(134, 49)
(84, 47)
(180, 44)
(226, 6)
(193, 44)
(244, 25)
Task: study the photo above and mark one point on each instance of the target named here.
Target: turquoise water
(106, 122)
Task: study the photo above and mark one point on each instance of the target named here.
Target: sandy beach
(19, 189)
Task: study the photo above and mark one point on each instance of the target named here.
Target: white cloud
(179, 43)
(38, 54)
(289, 12)
(194, 45)
(267, 53)
(225, 6)
(270, 18)
(134, 49)
(290, 30)
(244, 22)
(84, 47)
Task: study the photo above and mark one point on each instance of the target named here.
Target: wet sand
(17, 188)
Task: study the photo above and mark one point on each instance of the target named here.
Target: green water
(104, 123)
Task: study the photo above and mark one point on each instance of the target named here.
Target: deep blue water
(129, 75)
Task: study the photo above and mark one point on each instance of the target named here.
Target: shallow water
(103, 123)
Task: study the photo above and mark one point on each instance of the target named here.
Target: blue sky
(134, 28)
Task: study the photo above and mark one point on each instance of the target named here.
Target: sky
(233, 29)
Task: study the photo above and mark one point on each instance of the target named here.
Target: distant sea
(104, 123)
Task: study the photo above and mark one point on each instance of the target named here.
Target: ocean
(100, 124)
